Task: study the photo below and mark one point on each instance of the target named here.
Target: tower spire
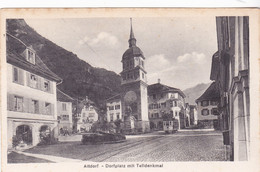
(132, 40)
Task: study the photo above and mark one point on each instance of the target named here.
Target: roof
(15, 56)
(61, 96)
(158, 88)
(210, 94)
(214, 66)
(115, 97)
(133, 51)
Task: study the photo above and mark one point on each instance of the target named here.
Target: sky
(177, 50)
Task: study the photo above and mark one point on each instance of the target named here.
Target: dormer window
(30, 56)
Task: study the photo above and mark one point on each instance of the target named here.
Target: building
(164, 100)
(134, 88)
(193, 115)
(64, 112)
(230, 71)
(31, 95)
(114, 110)
(208, 115)
(86, 115)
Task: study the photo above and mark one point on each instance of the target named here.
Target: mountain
(80, 79)
(195, 92)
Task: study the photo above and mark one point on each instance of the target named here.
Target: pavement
(197, 145)
(48, 157)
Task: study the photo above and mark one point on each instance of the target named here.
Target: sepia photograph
(112, 88)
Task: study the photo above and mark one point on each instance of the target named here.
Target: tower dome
(133, 50)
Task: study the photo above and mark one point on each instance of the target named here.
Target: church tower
(134, 88)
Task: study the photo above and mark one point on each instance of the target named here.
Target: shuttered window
(47, 108)
(18, 103)
(32, 80)
(18, 76)
(46, 85)
(35, 106)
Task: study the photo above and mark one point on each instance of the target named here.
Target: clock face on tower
(130, 97)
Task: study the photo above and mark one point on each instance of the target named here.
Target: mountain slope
(80, 79)
(195, 92)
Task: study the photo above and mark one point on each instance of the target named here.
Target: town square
(128, 89)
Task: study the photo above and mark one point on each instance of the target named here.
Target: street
(152, 147)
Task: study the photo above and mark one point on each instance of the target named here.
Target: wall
(115, 111)
(34, 120)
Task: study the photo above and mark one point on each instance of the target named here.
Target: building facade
(86, 115)
(134, 88)
(31, 95)
(164, 100)
(114, 110)
(230, 70)
(208, 115)
(64, 112)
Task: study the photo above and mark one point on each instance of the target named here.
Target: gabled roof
(210, 94)
(61, 96)
(15, 56)
(115, 97)
(159, 88)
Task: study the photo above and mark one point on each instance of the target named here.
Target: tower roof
(132, 36)
(133, 50)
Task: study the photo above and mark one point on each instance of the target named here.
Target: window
(175, 103)
(18, 103)
(91, 115)
(117, 106)
(156, 115)
(46, 85)
(142, 63)
(31, 57)
(65, 118)
(163, 104)
(205, 112)
(205, 103)
(64, 108)
(18, 75)
(143, 75)
(48, 108)
(176, 113)
(214, 111)
(33, 81)
(154, 96)
(35, 106)
(171, 104)
(15, 75)
(111, 117)
(117, 115)
(213, 103)
(155, 106)
(111, 107)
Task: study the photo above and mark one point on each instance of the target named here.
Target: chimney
(159, 80)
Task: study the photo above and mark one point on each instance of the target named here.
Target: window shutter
(51, 86)
(26, 104)
(52, 110)
(21, 76)
(28, 78)
(10, 102)
(42, 107)
(39, 82)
